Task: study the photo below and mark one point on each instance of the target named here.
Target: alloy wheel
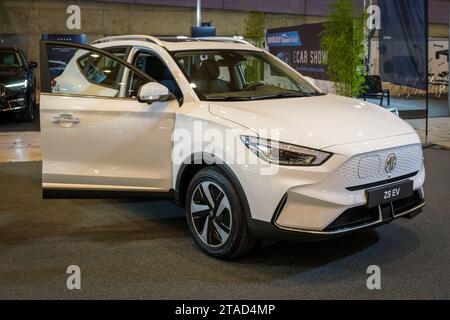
(211, 214)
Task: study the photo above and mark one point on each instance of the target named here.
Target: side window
(185, 64)
(83, 72)
(153, 66)
(119, 52)
(224, 73)
(100, 69)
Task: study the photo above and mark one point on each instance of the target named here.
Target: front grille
(406, 204)
(362, 215)
(354, 217)
(380, 183)
(368, 168)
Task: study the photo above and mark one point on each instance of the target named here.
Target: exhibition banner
(299, 46)
(403, 52)
(58, 58)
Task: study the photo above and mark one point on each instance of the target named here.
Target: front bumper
(330, 200)
(361, 217)
(268, 230)
(14, 103)
(319, 207)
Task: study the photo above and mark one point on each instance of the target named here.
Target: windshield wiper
(282, 95)
(267, 96)
(293, 94)
(228, 98)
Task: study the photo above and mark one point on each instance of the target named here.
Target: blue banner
(284, 39)
(299, 46)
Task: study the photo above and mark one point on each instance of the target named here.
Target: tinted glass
(154, 66)
(10, 59)
(100, 69)
(246, 75)
(90, 73)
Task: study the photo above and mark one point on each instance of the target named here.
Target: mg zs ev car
(248, 146)
(17, 83)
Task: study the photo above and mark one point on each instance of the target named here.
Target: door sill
(106, 194)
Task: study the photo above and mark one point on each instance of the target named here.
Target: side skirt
(106, 194)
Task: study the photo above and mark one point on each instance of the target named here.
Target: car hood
(11, 74)
(316, 122)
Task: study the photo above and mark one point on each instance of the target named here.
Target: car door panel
(115, 143)
(107, 143)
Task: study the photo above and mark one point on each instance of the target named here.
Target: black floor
(129, 249)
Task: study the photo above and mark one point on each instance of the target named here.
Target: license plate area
(389, 193)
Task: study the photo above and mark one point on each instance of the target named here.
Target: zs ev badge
(390, 163)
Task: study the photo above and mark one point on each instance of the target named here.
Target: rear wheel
(216, 215)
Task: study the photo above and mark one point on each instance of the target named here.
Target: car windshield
(9, 59)
(232, 75)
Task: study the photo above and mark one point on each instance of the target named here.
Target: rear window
(102, 70)
(99, 69)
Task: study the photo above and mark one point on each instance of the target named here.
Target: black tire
(29, 114)
(239, 240)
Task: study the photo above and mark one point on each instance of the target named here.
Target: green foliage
(343, 40)
(255, 25)
(255, 28)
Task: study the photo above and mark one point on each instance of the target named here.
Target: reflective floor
(439, 130)
(137, 249)
(20, 146)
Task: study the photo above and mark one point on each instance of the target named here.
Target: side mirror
(32, 65)
(153, 92)
(310, 80)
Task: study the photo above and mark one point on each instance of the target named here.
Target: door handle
(66, 118)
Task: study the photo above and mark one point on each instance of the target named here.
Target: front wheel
(216, 215)
(29, 114)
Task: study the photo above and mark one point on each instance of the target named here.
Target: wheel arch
(196, 163)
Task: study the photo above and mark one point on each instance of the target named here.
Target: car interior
(155, 68)
(9, 59)
(207, 79)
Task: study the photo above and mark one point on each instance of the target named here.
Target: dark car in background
(17, 84)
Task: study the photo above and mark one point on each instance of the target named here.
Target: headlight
(284, 153)
(17, 85)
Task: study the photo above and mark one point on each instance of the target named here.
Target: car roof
(9, 48)
(178, 43)
(204, 45)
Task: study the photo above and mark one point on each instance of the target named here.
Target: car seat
(207, 78)
(156, 69)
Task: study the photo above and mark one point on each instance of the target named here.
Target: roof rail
(235, 39)
(160, 41)
(140, 37)
(176, 38)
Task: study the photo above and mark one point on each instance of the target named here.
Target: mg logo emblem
(390, 163)
(2, 90)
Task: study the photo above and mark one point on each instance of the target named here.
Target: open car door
(96, 135)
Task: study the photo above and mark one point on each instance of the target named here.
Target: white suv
(247, 145)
